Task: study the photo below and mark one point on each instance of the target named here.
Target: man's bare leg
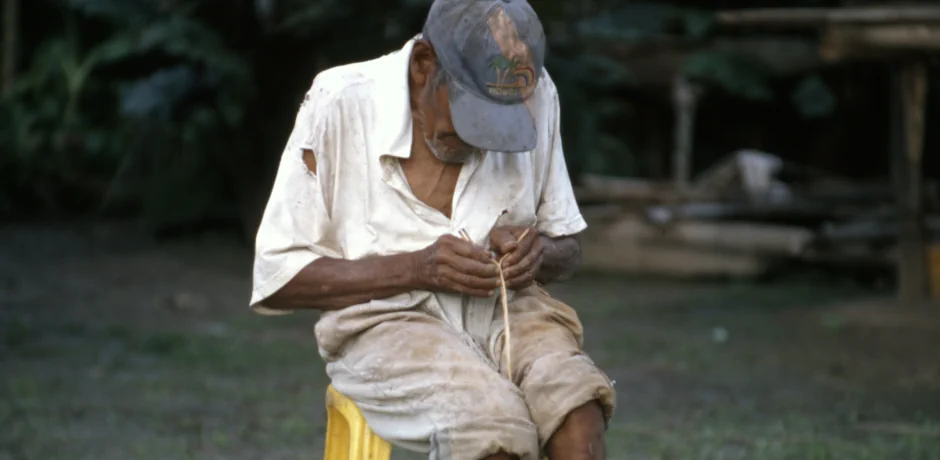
(580, 436)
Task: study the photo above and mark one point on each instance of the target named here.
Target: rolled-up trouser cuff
(556, 385)
(481, 437)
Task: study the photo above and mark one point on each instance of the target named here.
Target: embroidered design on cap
(512, 70)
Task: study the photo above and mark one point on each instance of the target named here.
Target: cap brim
(489, 125)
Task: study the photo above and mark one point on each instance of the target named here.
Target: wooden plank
(817, 17)
(738, 237)
(656, 62)
(677, 262)
(626, 190)
(910, 87)
(792, 211)
(629, 245)
(871, 230)
(878, 42)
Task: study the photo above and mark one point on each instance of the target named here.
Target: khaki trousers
(425, 383)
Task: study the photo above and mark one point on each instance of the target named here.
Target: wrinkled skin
(431, 110)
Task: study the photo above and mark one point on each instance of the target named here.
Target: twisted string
(505, 302)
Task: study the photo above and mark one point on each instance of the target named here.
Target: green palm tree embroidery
(511, 70)
(500, 64)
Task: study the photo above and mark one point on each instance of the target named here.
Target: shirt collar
(394, 104)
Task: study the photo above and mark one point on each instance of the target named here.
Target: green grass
(252, 387)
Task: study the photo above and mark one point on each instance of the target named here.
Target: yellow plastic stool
(348, 436)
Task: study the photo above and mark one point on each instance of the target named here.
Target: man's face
(438, 130)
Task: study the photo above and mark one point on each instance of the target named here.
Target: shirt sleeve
(295, 229)
(558, 214)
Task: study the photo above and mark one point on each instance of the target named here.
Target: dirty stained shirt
(357, 120)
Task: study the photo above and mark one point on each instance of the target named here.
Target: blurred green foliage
(170, 109)
(731, 72)
(75, 125)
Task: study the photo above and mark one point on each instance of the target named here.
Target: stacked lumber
(739, 218)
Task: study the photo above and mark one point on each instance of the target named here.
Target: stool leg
(338, 436)
(376, 448)
(348, 436)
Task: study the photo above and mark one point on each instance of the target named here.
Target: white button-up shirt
(357, 119)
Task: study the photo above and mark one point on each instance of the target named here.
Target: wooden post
(910, 94)
(685, 101)
(10, 36)
(814, 17)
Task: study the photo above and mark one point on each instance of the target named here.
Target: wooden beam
(817, 17)
(656, 62)
(625, 190)
(626, 244)
(871, 230)
(910, 89)
(878, 42)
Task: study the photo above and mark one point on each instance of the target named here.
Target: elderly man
(404, 177)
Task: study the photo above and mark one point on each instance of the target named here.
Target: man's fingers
(512, 269)
(503, 241)
(522, 281)
(513, 258)
(469, 269)
(528, 238)
(525, 277)
(525, 246)
(523, 274)
(469, 281)
(459, 289)
(470, 251)
(471, 266)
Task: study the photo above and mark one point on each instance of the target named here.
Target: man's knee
(494, 424)
(485, 418)
(581, 435)
(560, 383)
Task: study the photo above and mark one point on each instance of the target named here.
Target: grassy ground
(113, 349)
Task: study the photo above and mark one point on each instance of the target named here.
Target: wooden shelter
(902, 38)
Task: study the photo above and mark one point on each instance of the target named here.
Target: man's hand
(523, 256)
(455, 265)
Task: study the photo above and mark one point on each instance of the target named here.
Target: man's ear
(422, 63)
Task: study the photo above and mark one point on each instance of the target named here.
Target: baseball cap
(493, 51)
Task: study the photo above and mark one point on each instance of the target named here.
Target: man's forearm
(333, 284)
(560, 258)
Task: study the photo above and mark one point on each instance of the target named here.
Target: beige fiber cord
(502, 294)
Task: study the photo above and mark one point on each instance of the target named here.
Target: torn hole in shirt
(310, 159)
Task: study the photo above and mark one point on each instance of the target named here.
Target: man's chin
(453, 158)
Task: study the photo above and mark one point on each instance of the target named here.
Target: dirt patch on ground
(116, 346)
